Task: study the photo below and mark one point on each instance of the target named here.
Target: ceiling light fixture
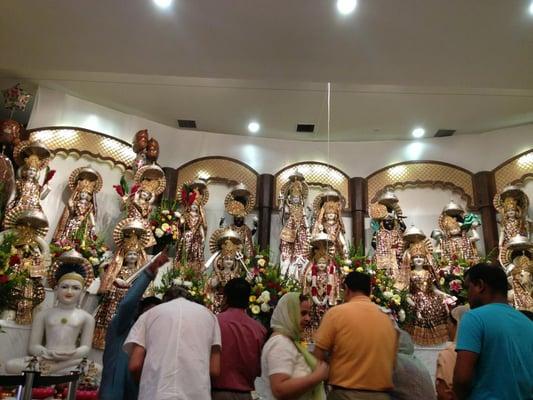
(418, 132)
(531, 8)
(346, 7)
(254, 127)
(163, 3)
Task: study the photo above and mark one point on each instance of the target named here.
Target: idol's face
(388, 224)
(144, 195)
(69, 291)
(294, 199)
(194, 208)
(131, 257)
(511, 213)
(322, 263)
(418, 262)
(85, 196)
(331, 216)
(227, 262)
(30, 172)
(525, 277)
(238, 221)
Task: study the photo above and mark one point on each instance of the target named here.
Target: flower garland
(165, 222)
(331, 275)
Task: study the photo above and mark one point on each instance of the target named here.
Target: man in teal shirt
(494, 343)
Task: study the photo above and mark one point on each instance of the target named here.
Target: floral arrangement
(384, 293)
(268, 285)
(165, 222)
(10, 280)
(186, 278)
(94, 250)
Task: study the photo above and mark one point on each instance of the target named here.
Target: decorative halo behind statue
(239, 202)
(75, 258)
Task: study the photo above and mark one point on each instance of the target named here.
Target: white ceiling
(453, 64)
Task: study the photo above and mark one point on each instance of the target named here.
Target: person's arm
(136, 362)
(285, 387)
(463, 373)
(214, 362)
(320, 354)
(444, 392)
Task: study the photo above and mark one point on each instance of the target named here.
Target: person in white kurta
(178, 338)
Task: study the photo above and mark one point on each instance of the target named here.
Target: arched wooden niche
(422, 174)
(317, 174)
(218, 169)
(514, 171)
(79, 141)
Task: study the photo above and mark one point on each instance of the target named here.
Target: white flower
(159, 233)
(265, 296)
(177, 214)
(187, 284)
(388, 294)
(165, 212)
(177, 281)
(261, 262)
(397, 299)
(347, 262)
(401, 315)
(265, 307)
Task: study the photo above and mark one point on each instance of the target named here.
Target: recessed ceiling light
(254, 127)
(163, 3)
(418, 132)
(531, 8)
(346, 7)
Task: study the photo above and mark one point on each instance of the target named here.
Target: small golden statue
(131, 238)
(32, 157)
(417, 275)
(239, 203)
(387, 241)
(512, 204)
(228, 262)
(80, 212)
(328, 207)
(294, 236)
(32, 256)
(518, 258)
(190, 249)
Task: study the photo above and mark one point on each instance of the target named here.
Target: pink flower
(457, 271)
(456, 285)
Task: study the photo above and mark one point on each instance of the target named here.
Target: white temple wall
(474, 152)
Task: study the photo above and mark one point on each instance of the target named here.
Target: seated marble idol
(61, 336)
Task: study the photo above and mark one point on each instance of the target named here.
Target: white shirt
(280, 356)
(177, 337)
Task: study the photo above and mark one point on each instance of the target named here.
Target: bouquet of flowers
(186, 278)
(268, 285)
(10, 280)
(392, 300)
(165, 222)
(93, 250)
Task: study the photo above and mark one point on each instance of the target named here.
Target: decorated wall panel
(514, 171)
(78, 141)
(422, 174)
(316, 174)
(220, 170)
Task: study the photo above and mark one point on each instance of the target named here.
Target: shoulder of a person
(276, 341)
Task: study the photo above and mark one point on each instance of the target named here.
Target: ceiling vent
(187, 123)
(444, 132)
(307, 128)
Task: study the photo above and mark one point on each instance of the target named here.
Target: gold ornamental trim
(319, 174)
(217, 169)
(514, 171)
(422, 174)
(79, 141)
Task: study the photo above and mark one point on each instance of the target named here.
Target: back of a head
(175, 292)
(358, 282)
(148, 302)
(492, 275)
(237, 292)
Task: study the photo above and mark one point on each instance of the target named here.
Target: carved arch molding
(80, 142)
(515, 171)
(422, 174)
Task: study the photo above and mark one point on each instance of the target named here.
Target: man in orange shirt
(361, 341)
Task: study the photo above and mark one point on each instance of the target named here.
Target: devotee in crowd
(411, 378)
(446, 358)
(174, 350)
(117, 382)
(494, 342)
(242, 340)
(289, 371)
(361, 341)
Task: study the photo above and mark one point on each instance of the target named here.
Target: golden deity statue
(457, 236)
(512, 204)
(320, 280)
(239, 203)
(328, 207)
(518, 258)
(32, 256)
(294, 236)
(190, 248)
(32, 157)
(227, 261)
(417, 275)
(131, 238)
(80, 212)
(388, 226)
